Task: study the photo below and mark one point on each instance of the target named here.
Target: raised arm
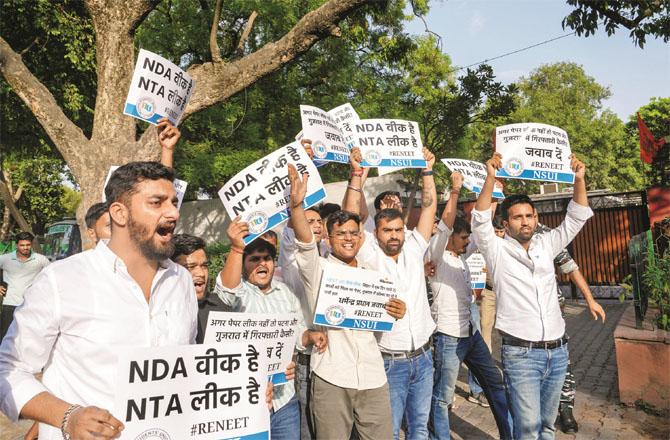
(353, 195)
(303, 233)
(231, 275)
(579, 191)
(428, 197)
(168, 136)
(364, 213)
(492, 165)
(438, 242)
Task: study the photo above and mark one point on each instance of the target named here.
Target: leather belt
(407, 354)
(547, 345)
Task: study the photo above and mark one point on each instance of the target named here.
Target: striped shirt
(248, 298)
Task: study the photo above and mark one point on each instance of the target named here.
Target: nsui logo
(334, 315)
(146, 107)
(319, 149)
(372, 157)
(153, 434)
(257, 222)
(514, 167)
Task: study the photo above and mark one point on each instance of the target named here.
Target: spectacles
(340, 235)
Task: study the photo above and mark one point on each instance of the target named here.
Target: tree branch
(68, 138)
(216, 82)
(213, 45)
(245, 33)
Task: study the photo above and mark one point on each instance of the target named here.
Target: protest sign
(260, 192)
(317, 163)
(179, 186)
(327, 139)
(344, 117)
(273, 335)
(195, 392)
(159, 89)
(476, 265)
(474, 174)
(354, 298)
(533, 151)
(390, 143)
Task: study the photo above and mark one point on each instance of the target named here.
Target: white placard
(159, 89)
(327, 139)
(476, 265)
(192, 392)
(274, 336)
(260, 193)
(534, 151)
(179, 186)
(344, 117)
(474, 174)
(354, 298)
(390, 143)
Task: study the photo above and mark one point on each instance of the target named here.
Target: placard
(474, 174)
(534, 151)
(273, 335)
(260, 193)
(179, 186)
(390, 143)
(192, 392)
(327, 139)
(354, 298)
(476, 265)
(345, 117)
(159, 89)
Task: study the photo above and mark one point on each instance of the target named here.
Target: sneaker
(566, 421)
(479, 399)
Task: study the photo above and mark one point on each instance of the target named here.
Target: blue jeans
(450, 352)
(474, 386)
(410, 384)
(285, 423)
(534, 378)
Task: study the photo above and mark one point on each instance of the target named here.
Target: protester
(98, 224)
(457, 339)
(535, 348)
(291, 276)
(406, 350)
(19, 269)
(246, 284)
(81, 310)
(348, 387)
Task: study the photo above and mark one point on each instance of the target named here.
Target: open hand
(236, 231)
(298, 186)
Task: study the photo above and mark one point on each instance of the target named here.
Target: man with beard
(457, 339)
(348, 385)
(246, 284)
(406, 349)
(81, 310)
(19, 269)
(98, 224)
(189, 252)
(534, 344)
(291, 276)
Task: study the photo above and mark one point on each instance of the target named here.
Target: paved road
(597, 409)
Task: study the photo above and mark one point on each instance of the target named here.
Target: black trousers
(6, 318)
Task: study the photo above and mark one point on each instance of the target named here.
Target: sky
(476, 30)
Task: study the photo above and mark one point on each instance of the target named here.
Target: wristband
(427, 173)
(357, 173)
(353, 188)
(238, 250)
(66, 420)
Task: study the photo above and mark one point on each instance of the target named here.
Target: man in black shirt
(189, 251)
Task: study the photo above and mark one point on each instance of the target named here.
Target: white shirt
(416, 327)
(527, 305)
(290, 274)
(19, 274)
(76, 316)
(452, 291)
(352, 358)
(249, 298)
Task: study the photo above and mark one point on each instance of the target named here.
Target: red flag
(648, 144)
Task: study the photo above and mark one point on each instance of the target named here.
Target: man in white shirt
(406, 350)
(79, 312)
(535, 349)
(348, 386)
(246, 284)
(457, 339)
(19, 270)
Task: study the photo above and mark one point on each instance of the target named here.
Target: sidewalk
(597, 410)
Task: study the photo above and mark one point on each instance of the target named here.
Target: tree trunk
(8, 199)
